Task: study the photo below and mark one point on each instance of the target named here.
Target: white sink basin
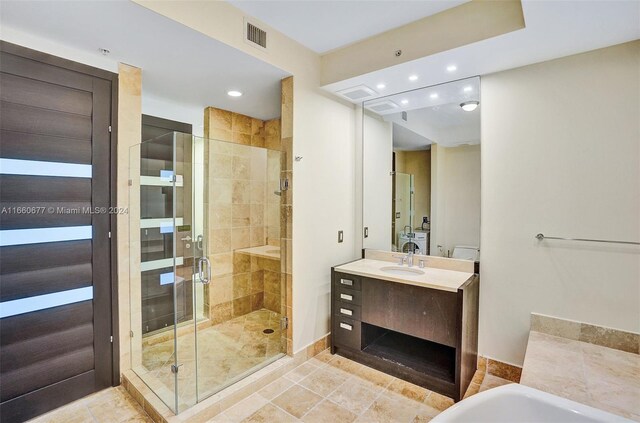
(401, 271)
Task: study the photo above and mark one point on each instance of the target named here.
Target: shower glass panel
(207, 295)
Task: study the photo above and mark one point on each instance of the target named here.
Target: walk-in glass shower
(206, 291)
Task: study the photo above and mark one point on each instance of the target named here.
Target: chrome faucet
(408, 258)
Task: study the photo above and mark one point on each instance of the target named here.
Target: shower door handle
(201, 271)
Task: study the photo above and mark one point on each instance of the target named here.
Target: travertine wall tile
(558, 327)
(243, 210)
(585, 332)
(129, 124)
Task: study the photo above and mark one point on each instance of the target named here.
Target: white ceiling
(323, 26)
(179, 64)
(404, 139)
(553, 29)
(434, 115)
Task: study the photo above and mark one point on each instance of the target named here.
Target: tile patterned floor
(325, 389)
(225, 351)
(331, 388)
(113, 405)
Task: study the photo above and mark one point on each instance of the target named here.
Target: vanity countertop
(445, 280)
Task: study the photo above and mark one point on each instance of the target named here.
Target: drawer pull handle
(346, 297)
(347, 282)
(346, 311)
(346, 326)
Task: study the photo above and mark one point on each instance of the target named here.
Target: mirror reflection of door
(423, 149)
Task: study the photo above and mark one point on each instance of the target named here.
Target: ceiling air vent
(255, 36)
(385, 106)
(357, 93)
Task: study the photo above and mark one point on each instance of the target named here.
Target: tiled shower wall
(243, 211)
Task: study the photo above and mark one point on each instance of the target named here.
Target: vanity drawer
(348, 281)
(347, 296)
(347, 310)
(346, 332)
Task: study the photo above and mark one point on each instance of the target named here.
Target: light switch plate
(340, 236)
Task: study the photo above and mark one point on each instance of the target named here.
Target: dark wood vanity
(423, 335)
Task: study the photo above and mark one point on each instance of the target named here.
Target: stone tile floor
(331, 388)
(225, 351)
(113, 405)
(326, 388)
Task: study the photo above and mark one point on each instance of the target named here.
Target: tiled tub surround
(585, 372)
(585, 332)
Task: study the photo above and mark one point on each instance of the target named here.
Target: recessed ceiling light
(413, 78)
(381, 86)
(405, 101)
(452, 68)
(468, 89)
(434, 95)
(469, 106)
(234, 93)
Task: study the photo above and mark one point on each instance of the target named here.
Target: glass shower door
(156, 305)
(207, 283)
(186, 281)
(244, 297)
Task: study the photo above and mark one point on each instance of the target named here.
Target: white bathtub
(515, 403)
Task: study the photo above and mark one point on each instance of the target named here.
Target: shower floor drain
(267, 331)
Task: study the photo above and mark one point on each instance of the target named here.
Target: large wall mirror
(421, 166)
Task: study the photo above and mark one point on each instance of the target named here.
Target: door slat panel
(42, 348)
(33, 120)
(24, 146)
(35, 189)
(44, 322)
(44, 95)
(23, 258)
(44, 373)
(44, 281)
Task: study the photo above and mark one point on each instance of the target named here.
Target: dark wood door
(55, 251)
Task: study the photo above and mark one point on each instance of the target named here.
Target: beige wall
(417, 163)
(561, 156)
(455, 197)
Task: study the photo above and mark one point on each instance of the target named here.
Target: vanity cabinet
(423, 335)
